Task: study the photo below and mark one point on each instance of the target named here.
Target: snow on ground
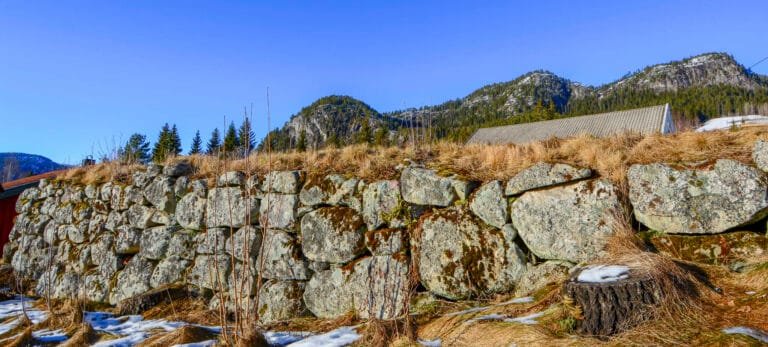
(603, 273)
(11, 311)
(335, 338)
(49, 336)
(431, 343)
(529, 319)
(753, 333)
(207, 343)
(523, 300)
(728, 122)
(283, 338)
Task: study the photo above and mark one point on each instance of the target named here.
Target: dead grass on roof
(609, 157)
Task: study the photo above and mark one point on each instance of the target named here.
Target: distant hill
(19, 165)
(698, 88)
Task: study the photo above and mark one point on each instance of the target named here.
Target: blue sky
(78, 77)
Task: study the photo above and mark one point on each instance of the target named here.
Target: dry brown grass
(190, 310)
(610, 157)
(25, 339)
(185, 334)
(84, 335)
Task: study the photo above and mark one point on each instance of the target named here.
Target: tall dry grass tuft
(609, 157)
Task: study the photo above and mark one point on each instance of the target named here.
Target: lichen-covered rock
(381, 203)
(116, 219)
(96, 225)
(231, 179)
(77, 233)
(91, 191)
(386, 241)
(328, 293)
(118, 201)
(460, 257)
(282, 257)
(160, 193)
(422, 186)
(127, 240)
(570, 223)
(210, 271)
(212, 241)
(244, 244)
(181, 187)
(132, 280)
(162, 218)
(64, 214)
(103, 255)
(182, 244)
(140, 216)
(96, 287)
(32, 257)
(542, 275)
(332, 234)
(133, 195)
(190, 212)
(283, 182)
(316, 191)
(544, 175)
(199, 188)
(490, 205)
(230, 207)
(278, 211)
(717, 249)
(346, 193)
(760, 154)
(154, 242)
(281, 300)
(168, 271)
(729, 195)
(381, 286)
(50, 234)
(180, 168)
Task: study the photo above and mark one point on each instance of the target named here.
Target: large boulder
(160, 193)
(278, 211)
(461, 257)
(169, 270)
(190, 212)
(283, 182)
(422, 186)
(103, 255)
(281, 257)
(332, 234)
(489, 203)
(760, 154)
(281, 300)
(128, 240)
(213, 241)
(543, 175)
(381, 203)
(231, 179)
(231, 207)
(133, 280)
(381, 286)
(244, 244)
(182, 244)
(552, 272)
(680, 201)
(210, 271)
(328, 294)
(154, 242)
(569, 223)
(140, 216)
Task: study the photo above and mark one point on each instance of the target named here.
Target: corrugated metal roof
(646, 120)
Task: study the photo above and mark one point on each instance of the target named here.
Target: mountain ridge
(542, 94)
(15, 165)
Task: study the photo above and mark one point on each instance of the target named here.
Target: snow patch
(335, 338)
(523, 300)
(431, 343)
(735, 121)
(753, 333)
(529, 319)
(207, 343)
(603, 273)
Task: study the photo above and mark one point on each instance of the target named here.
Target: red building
(9, 193)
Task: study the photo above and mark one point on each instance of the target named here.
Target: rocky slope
(535, 96)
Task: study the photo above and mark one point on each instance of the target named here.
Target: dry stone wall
(326, 246)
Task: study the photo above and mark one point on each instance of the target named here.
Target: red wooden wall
(7, 213)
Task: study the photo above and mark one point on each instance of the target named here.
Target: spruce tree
(175, 142)
(136, 150)
(301, 144)
(246, 136)
(163, 144)
(214, 144)
(231, 141)
(364, 136)
(197, 144)
(380, 137)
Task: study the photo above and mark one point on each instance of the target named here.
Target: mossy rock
(723, 248)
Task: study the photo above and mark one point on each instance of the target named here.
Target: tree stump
(608, 307)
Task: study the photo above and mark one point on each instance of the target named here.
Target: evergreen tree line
(237, 143)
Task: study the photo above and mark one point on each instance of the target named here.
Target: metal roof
(646, 120)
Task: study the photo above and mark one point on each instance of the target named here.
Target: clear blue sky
(78, 77)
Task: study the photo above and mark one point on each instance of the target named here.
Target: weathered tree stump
(615, 305)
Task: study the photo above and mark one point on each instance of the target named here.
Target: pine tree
(197, 144)
(301, 144)
(364, 136)
(246, 136)
(214, 144)
(163, 144)
(333, 141)
(380, 137)
(231, 141)
(175, 142)
(136, 150)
